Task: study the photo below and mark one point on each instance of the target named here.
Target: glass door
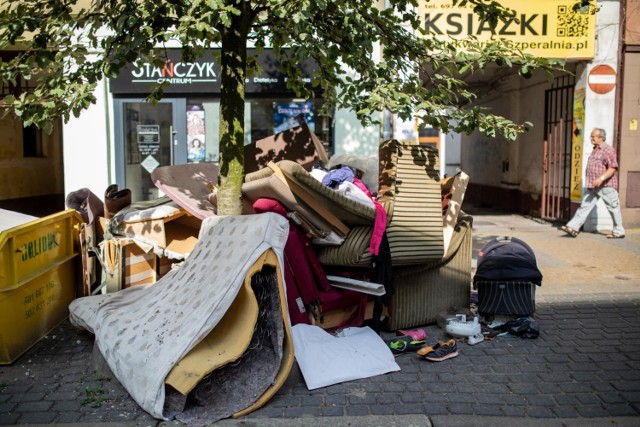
(147, 137)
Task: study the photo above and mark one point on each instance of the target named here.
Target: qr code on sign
(571, 23)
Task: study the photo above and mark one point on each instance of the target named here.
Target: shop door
(147, 137)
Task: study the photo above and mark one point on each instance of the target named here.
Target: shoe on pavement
(442, 351)
(404, 345)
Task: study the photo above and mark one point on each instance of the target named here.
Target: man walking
(602, 183)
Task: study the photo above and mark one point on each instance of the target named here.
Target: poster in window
(405, 129)
(196, 149)
(285, 113)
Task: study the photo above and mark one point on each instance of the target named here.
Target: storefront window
(263, 117)
(196, 139)
(272, 115)
(285, 115)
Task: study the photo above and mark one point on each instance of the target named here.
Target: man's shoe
(428, 349)
(443, 351)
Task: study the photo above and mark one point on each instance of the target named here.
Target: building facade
(136, 137)
(31, 161)
(121, 138)
(542, 172)
(628, 113)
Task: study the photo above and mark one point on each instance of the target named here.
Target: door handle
(173, 143)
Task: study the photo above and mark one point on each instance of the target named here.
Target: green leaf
(47, 127)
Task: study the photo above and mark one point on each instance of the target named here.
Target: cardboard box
(149, 250)
(140, 265)
(152, 231)
(337, 317)
(165, 265)
(172, 230)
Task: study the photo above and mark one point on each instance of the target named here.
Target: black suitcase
(506, 278)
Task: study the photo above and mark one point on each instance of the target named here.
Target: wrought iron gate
(558, 127)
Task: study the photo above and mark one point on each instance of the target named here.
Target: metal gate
(558, 126)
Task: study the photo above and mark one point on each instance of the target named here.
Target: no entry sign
(602, 79)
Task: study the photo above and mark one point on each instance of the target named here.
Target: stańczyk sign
(176, 73)
(201, 76)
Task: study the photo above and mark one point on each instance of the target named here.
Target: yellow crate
(39, 271)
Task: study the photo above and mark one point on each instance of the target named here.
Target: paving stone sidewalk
(584, 366)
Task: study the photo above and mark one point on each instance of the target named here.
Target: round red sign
(602, 79)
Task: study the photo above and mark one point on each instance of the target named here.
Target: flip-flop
(570, 231)
(615, 236)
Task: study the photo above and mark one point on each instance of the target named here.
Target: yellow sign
(545, 28)
(577, 141)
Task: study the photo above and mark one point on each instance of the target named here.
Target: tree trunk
(232, 92)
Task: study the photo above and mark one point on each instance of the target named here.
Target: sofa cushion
(353, 252)
(410, 181)
(300, 192)
(409, 190)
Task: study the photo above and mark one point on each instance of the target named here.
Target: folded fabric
(336, 177)
(303, 273)
(355, 193)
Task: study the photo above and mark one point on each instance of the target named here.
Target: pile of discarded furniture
(178, 295)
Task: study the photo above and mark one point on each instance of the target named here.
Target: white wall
(350, 137)
(87, 149)
(450, 151)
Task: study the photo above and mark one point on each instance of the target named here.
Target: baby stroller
(506, 278)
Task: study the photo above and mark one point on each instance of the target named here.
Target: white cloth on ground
(351, 354)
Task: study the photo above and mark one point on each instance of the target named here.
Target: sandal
(570, 231)
(615, 236)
